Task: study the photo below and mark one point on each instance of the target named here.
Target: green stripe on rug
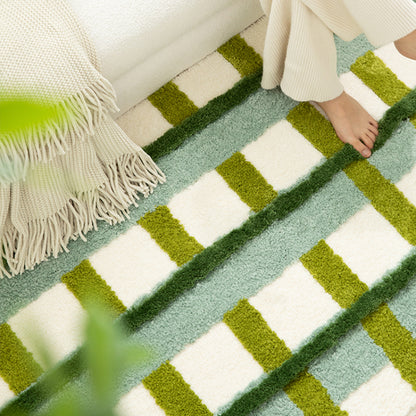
(175, 136)
(382, 326)
(170, 234)
(88, 286)
(173, 394)
(384, 196)
(308, 121)
(270, 352)
(333, 274)
(381, 79)
(377, 76)
(257, 337)
(17, 366)
(174, 104)
(246, 181)
(311, 397)
(242, 56)
(396, 341)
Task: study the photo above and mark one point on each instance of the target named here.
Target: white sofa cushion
(144, 43)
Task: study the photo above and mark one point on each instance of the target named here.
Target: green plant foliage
(107, 354)
(21, 114)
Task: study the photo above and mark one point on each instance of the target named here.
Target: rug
(273, 273)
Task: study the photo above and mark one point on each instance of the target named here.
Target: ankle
(406, 45)
(335, 102)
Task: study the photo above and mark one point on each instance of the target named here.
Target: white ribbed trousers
(299, 50)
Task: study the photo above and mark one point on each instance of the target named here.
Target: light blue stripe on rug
(403, 306)
(356, 357)
(280, 405)
(357, 47)
(403, 143)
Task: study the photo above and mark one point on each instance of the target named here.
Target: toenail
(366, 153)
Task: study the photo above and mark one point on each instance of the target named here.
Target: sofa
(142, 44)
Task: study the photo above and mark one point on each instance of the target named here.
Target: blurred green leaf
(22, 114)
(134, 355)
(66, 406)
(108, 354)
(103, 356)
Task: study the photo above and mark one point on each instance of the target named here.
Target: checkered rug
(273, 273)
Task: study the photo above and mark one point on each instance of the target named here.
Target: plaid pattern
(275, 276)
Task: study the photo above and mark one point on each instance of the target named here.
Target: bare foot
(407, 45)
(352, 123)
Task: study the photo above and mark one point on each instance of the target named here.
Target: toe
(361, 147)
(371, 135)
(373, 129)
(368, 141)
(374, 122)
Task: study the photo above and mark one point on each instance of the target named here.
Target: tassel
(129, 175)
(75, 118)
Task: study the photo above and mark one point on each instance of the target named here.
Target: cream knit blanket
(57, 178)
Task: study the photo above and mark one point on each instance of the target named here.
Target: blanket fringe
(74, 119)
(130, 175)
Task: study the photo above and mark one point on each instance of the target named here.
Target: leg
(394, 21)
(407, 45)
(306, 69)
(299, 53)
(383, 21)
(277, 38)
